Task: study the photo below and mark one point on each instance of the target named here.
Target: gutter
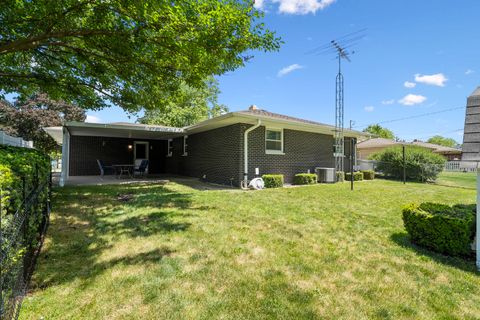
(245, 149)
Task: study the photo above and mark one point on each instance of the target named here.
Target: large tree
(379, 131)
(190, 105)
(443, 141)
(26, 118)
(132, 53)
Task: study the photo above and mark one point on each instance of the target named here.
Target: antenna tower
(339, 47)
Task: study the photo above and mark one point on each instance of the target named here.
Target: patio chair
(142, 168)
(104, 169)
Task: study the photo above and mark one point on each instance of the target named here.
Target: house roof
(384, 143)
(475, 92)
(436, 148)
(253, 115)
(250, 116)
(378, 143)
(268, 114)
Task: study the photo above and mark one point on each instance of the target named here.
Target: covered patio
(124, 145)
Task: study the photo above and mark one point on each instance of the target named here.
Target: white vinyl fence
(5, 139)
(464, 166)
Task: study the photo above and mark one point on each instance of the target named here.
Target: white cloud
(387, 102)
(258, 4)
(369, 108)
(412, 99)
(296, 6)
(469, 71)
(408, 84)
(286, 70)
(437, 79)
(92, 119)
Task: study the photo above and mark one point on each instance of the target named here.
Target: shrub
(340, 176)
(444, 229)
(421, 164)
(22, 168)
(273, 180)
(368, 174)
(357, 176)
(305, 178)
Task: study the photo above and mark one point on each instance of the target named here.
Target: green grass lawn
(314, 252)
(458, 179)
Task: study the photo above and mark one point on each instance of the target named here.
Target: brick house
(224, 149)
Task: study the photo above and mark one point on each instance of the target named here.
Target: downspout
(245, 151)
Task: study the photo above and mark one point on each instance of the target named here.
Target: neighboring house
(368, 147)
(449, 153)
(224, 149)
(371, 146)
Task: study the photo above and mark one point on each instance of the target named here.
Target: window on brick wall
(185, 146)
(274, 141)
(169, 147)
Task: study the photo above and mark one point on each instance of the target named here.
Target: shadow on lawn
(465, 264)
(88, 220)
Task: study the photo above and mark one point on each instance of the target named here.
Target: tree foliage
(132, 53)
(421, 164)
(442, 141)
(379, 131)
(189, 106)
(26, 118)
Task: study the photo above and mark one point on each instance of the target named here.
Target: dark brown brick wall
(303, 151)
(214, 154)
(84, 152)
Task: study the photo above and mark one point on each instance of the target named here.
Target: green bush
(305, 178)
(357, 176)
(442, 228)
(340, 176)
(21, 168)
(368, 174)
(421, 164)
(273, 180)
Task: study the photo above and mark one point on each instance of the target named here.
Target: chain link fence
(22, 231)
(461, 174)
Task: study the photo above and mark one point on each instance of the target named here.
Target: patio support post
(65, 156)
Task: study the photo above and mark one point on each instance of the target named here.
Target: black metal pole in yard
(404, 165)
(352, 144)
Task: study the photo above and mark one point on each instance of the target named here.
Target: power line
(411, 117)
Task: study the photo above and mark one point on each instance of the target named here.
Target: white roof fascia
(76, 124)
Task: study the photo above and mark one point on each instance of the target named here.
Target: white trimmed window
(274, 141)
(185, 146)
(169, 147)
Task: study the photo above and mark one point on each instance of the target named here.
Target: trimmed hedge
(305, 178)
(273, 180)
(421, 164)
(357, 176)
(441, 228)
(22, 171)
(340, 176)
(368, 174)
(18, 165)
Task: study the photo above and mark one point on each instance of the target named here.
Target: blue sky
(417, 57)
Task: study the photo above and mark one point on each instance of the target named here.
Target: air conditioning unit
(325, 175)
